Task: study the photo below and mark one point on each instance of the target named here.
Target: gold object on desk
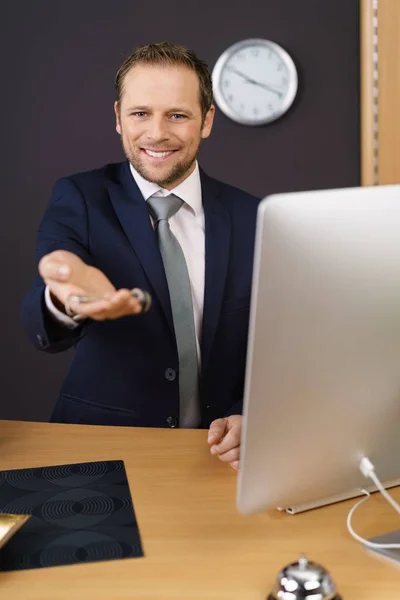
(9, 525)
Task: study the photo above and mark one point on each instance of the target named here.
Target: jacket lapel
(131, 210)
(217, 242)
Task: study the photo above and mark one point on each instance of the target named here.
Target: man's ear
(208, 122)
(117, 118)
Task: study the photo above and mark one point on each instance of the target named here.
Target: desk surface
(196, 545)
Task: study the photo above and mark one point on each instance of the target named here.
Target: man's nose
(157, 130)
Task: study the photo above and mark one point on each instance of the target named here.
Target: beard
(176, 173)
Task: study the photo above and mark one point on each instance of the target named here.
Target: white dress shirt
(188, 227)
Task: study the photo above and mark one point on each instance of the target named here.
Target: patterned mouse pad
(80, 513)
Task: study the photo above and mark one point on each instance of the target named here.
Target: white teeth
(158, 154)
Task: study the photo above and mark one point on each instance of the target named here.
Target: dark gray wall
(58, 61)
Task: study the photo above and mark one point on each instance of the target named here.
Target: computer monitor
(322, 383)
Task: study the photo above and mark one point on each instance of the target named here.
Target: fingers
(117, 305)
(217, 431)
(121, 304)
(230, 456)
(94, 310)
(224, 436)
(230, 441)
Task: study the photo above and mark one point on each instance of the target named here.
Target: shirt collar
(189, 190)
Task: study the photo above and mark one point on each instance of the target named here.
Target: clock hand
(266, 86)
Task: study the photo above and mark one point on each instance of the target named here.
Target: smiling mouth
(158, 154)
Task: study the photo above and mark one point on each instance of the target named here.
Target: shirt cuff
(57, 314)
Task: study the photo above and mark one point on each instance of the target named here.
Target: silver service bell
(304, 580)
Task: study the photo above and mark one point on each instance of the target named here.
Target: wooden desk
(196, 545)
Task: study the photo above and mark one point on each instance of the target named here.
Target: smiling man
(156, 223)
(162, 118)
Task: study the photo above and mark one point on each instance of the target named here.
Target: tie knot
(163, 208)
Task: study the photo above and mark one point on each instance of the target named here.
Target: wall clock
(254, 82)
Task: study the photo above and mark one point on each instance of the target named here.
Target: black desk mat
(80, 513)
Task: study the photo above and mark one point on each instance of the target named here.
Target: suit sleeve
(64, 226)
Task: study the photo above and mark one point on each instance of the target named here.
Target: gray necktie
(162, 209)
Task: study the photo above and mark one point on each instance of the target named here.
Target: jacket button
(172, 422)
(170, 374)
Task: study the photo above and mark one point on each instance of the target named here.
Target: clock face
(255, 82)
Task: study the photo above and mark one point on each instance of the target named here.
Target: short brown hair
(165, 53)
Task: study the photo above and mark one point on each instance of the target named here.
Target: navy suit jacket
(125, 372)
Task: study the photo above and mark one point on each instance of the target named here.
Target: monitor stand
(355, 493)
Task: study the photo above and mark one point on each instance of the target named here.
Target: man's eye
(177, 116)
(139, 113)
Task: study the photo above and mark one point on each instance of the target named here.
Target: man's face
(160, 122)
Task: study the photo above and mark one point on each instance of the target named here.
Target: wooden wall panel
(380, 127)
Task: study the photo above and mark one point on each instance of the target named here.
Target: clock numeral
(269, 55)
(255, 51)
(226, 83)
(270, 107)
(280, 67)
(240, 56)
(255, 111)
(230, 97)
(241, 107)
(284, 80)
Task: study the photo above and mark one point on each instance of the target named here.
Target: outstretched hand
(67, 276)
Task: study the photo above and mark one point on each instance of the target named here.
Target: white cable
(368, 470)
(384, 492)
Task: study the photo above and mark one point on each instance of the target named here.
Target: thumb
(216, 431)
(57, 265)
(54, 270)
